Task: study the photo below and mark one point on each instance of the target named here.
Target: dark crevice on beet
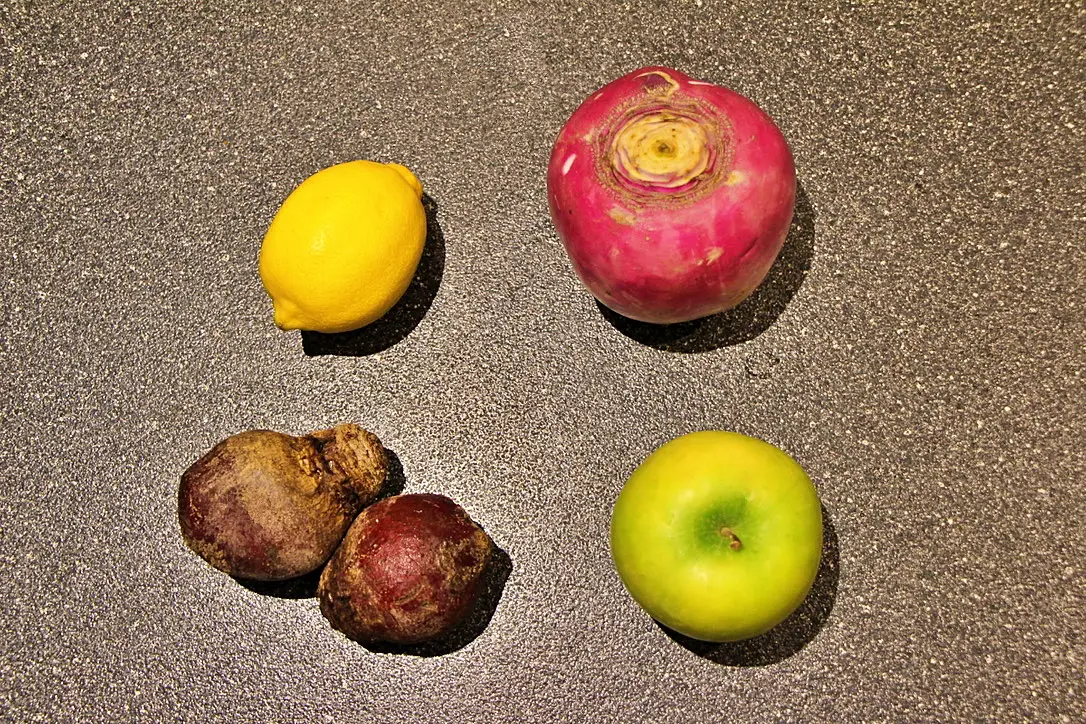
(395, 480)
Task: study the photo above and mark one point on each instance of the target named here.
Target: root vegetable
(266, 506)
(672, 196)
(408, 571)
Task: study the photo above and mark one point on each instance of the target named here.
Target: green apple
(718, 535)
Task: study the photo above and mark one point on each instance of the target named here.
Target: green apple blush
(718, 535)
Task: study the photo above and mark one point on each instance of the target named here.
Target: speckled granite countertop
(919, 348)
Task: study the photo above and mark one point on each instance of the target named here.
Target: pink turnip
(672, 196)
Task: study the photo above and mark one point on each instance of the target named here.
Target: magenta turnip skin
(672, 196)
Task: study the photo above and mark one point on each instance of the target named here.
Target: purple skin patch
(266, 506)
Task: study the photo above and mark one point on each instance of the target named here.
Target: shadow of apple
(792, 634)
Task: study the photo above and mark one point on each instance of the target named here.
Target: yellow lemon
(344, 246)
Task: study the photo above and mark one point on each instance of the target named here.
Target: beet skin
(266, 506)
(407, 571)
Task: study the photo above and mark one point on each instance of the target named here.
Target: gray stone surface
(919, 349)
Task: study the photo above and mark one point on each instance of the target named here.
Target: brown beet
(407, 571)
(266, 506)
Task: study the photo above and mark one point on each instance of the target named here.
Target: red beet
(407, 571)
(672, 196)
(266, 506)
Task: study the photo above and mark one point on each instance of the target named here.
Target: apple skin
(718, 535)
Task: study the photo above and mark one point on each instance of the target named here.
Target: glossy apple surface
(717, 535)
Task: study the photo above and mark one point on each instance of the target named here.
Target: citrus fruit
(344, 246)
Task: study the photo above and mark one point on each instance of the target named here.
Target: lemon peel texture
(344, 246)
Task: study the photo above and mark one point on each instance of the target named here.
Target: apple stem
(735, 544)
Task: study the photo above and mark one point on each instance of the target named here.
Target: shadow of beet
(306, 586)
(292, 588)
(754, 315)
(475, 622)
(402, 319)
(792, 634)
